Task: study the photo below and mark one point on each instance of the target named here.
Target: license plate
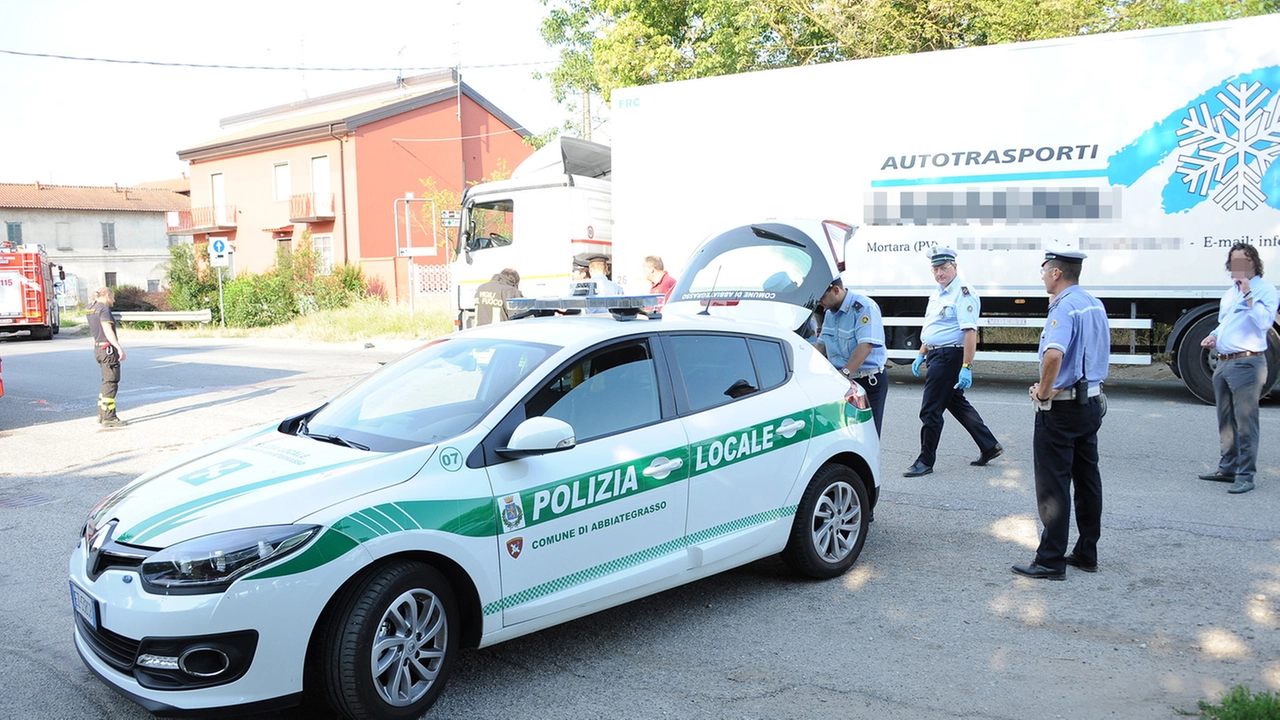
(85, 605)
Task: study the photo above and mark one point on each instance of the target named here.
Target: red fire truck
(28, 303)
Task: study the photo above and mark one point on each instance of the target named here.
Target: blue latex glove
(915, 366)
(966, 379)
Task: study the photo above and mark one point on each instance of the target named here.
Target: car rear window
(716, 369)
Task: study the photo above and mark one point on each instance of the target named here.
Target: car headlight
(211, 563)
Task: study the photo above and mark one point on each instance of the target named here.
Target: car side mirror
(538, 436)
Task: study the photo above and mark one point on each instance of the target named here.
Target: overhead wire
(216, 66)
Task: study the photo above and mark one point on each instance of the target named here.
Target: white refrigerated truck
(1152, 151)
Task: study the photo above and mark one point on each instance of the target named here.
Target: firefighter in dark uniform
(947, 344)
(491, 297)
(1075, 352)
(108, 352)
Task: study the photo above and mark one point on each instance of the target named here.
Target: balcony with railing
(201, 220)
(311, 207)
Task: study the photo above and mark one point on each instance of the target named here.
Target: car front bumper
(128, 620)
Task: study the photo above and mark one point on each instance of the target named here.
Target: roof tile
(76, 197)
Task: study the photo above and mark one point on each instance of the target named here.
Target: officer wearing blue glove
(947, 344)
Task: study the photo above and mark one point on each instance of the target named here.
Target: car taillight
(857, 397)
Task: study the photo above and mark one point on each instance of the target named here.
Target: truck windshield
(490, 224)
(435, 393)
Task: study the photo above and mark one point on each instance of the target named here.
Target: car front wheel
(830, 526)
(390, 644)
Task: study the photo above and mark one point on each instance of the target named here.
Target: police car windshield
(435, 393)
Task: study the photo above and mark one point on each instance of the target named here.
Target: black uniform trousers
(877, 389)
(1066, 454)
(941, 395)
(109, 362)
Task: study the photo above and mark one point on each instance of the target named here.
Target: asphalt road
(929, 624)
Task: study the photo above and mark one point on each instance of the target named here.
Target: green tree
(608, 44)
(189, 288)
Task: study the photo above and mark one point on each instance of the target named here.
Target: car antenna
(706, 310)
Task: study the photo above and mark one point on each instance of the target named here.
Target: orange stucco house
(336, 165)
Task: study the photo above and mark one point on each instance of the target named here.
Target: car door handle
(790, 427)
(663, 467)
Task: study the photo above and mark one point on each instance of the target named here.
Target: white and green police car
(487, 485)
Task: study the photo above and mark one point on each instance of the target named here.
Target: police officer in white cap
(1075, 352)
(947, 344)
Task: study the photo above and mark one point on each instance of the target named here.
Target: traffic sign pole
(222, 308)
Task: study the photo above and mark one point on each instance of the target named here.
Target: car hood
(267, 478)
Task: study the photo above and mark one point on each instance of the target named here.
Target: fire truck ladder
(32, 273)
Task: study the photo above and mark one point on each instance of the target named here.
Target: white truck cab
(555, 206)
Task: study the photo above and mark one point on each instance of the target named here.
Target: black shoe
(918, 469)
(1240, 486)
(1219, 477)
(1040, 572)
(988, 455)
(1076, 562)
(114, 423)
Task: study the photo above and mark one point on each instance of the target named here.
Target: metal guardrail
(1028, 322)
(200, 316)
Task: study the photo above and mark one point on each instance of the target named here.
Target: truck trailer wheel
(1196, 364)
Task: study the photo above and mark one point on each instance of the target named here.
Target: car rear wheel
(390, 644)
(830, 525)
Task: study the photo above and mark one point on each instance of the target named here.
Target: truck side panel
(1153, 151)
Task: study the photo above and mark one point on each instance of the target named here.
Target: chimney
(37, 184)
(126, 193)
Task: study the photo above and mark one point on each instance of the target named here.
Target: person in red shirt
(660, 281)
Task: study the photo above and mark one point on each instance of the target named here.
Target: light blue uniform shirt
(856, 321)
(952, 310)
(1242, 328)
(603, 286)
(1077, 327)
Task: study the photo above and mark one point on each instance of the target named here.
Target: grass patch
(71, 317)
(1239, 703)
(363, 320)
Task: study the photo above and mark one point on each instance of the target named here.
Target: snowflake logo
(1232, 150)
(1223, 144)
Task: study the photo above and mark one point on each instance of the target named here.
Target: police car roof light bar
(621, 307)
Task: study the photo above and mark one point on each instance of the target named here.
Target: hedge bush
(295, 286)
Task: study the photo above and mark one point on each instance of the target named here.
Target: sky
(71, 122)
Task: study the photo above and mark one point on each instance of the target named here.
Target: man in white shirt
(1245, 315)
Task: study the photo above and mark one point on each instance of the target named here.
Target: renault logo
(99, 539)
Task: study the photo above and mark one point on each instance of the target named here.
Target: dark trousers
(1066, 456)
(940, 394)
(1237, 387)
(877, 389)
(109, 363)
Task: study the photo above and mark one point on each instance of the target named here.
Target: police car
(487, 485)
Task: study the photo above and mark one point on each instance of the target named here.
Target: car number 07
(450, 459)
